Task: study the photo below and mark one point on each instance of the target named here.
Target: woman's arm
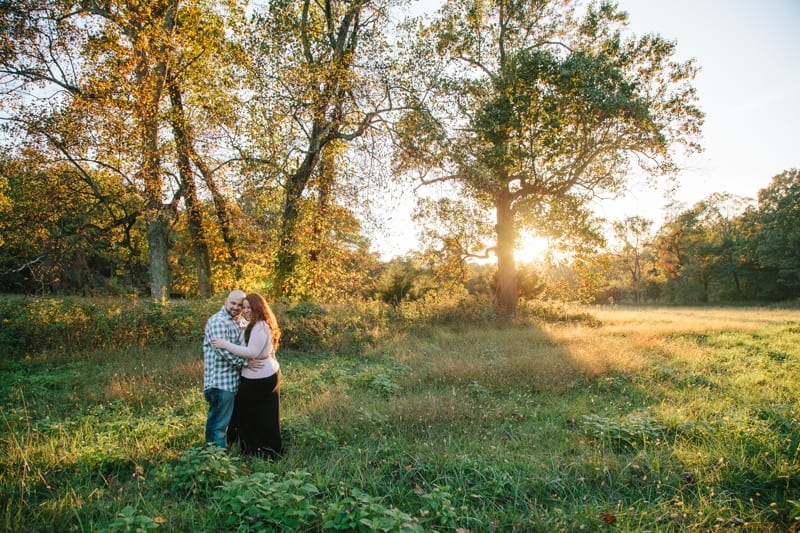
(259, 337)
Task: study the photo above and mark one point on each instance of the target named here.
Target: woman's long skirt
(256, 423)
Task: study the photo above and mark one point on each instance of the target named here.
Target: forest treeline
(722, 249)
(185, 147)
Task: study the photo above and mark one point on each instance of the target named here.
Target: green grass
(630, 420)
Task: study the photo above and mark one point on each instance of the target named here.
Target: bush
(361, 512)
(200, 470)
(262, 502)
(352, 328)
(453, 305)
(73, 325)
(555, 312)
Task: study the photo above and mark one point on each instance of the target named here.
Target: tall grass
(607, 418)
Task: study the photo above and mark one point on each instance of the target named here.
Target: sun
(530, 248)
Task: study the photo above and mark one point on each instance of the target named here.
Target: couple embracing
(241, 376)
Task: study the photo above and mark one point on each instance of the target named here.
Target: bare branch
(26, 265)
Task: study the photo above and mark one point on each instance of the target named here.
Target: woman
(256, 412)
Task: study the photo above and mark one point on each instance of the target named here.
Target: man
(221, 368)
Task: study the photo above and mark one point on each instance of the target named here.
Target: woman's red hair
(260, 310)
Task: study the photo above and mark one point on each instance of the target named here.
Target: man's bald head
(233, 303)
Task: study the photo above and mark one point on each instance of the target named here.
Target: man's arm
(217, 329)
(259, 338)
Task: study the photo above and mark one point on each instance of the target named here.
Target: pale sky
(748, 87)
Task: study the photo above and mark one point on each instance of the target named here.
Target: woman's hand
(217, 343)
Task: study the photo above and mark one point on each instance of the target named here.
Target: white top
(259, 347)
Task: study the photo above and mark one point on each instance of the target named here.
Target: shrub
(348, 328)
(15, 331)
(201, 469)
(262, 502)
(361, 512)
(130, 520)
(74, 325)
(555, 312)
(452, 305)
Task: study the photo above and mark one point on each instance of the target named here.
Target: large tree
(323, 79)
(95, 79)
(535, 110)
(109, 60)
(203, 86)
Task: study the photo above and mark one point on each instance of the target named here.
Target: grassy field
(628, 420)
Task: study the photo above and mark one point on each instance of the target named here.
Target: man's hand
(255, 364)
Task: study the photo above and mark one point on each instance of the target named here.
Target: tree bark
(296, 185)
(505, 296)
(222, 208)
(150, 73)
(325, 177)
(183, 141)
(156, 215)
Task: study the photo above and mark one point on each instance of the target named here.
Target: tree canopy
(534, 105)
(185, 147)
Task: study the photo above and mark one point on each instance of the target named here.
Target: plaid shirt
(221, 368)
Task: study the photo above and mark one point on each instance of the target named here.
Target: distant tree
(404, 279)
(532, 109)
(774, 229)
(583, 279)
(723, 249)
(633, 235)
(701, 250)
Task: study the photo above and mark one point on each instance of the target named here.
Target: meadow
(612, 418)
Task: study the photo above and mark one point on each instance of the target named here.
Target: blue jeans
(220, 409)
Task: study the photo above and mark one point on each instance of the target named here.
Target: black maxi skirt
(255, 424)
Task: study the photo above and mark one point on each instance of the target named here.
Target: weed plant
(570, 419)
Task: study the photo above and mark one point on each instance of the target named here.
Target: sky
(748, 87)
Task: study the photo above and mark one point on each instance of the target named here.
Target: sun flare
(530, 248)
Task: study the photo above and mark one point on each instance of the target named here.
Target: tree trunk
(222, 207)
(505, 296)
(195, 216)
(287, 251)
(295, 187)
(157, 244)
(325, 175)
(156, 213)
(737, 284)
(150, 72)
